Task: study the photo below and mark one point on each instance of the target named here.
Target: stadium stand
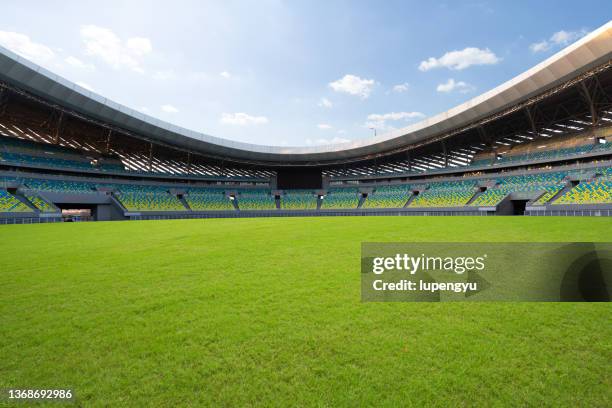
(590, 192)
(256, 200)
(445, 194)
(150, 202)
(340, 198)
(549, 183)
(11, 204)
(388, 197)
(298, 200)
(537, 146)
(41, 204)
(201, 199)
(62, 186)
(29, 153)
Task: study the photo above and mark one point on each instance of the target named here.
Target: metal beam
(56, 135)
(589, 100)
(108, 141)
(150, 164)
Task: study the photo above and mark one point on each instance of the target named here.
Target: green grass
(233, 312)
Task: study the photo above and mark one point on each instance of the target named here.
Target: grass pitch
(267, 312)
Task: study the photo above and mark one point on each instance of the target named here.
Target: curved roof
(587, 53)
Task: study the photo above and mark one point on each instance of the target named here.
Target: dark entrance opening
(518, 207)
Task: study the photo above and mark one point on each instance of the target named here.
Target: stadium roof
(589, 52)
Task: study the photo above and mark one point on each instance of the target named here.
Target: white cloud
(353, 85)
(324, 141)
(106, 45)
(242, 119)
(77, 63)
(379, 121)
(325, 103)
(85, 85)
(169, 108)
(226, 75)
(143, 109)
(558, 39)
(452, 85)
(22, 45)
(342, 132)
(462, 59)
(539, 46)
(400, 88)
(324, 126)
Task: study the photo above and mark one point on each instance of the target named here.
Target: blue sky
(293, 72)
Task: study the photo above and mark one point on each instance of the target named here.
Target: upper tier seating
(542, 154)
(256, 200)
(445, 194)
(25, 152)
(589, 192)
(341, 198)
(549, 183)
(10, 203)
(298, 200)
(208, 199)
(59, 185)
(388, 197)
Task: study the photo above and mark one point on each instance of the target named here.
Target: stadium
(177, 268)
(539, 144)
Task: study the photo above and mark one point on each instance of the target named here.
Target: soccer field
(233, 312)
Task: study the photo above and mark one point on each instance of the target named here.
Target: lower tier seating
(341, 198)
(445, 194)
(208, 200)
(10, 203)
(388, 197)
(590, 192)
(298, 200)
(41, 204)
(256, 200)
(150, 202)
(549, 183)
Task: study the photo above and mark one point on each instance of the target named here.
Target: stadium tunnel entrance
(73, 211)
(518, 206)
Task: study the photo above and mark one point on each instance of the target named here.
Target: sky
(292, 73)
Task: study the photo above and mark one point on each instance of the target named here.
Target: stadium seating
(26, 153)
(41, 204)
(542, 154)
(10, 203)
(388, 197)
(445, 194)
(549, 183)
(256, 200)
(150, 202)
(59, 185)
(298, 200)
(590, 192)
(338, 198)
(202, 199)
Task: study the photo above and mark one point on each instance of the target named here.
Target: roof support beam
(150, 163)
(56, 134)
(445, 153)
(529, 115)
(107, 146)
(589, 100)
